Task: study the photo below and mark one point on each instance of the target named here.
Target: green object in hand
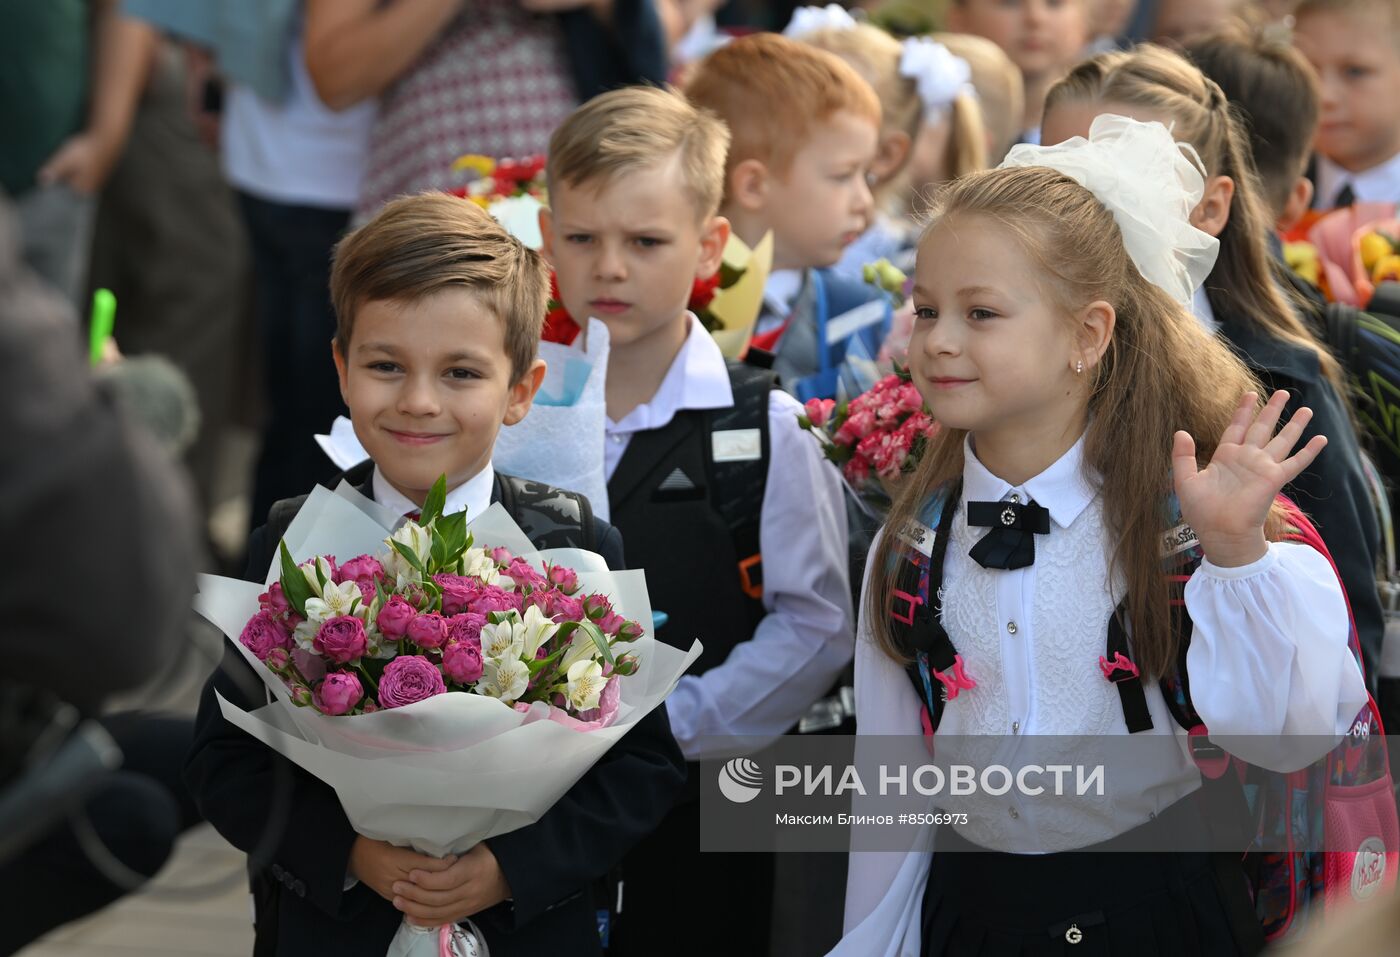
(104, 316)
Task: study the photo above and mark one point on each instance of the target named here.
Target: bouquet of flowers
(877, 436)
(482, 678)
(1347, 252)
(511, 190)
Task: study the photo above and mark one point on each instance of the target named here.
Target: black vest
(693, 523)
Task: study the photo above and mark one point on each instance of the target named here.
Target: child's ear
(340, 370)
(1213, 211)
(1095, 332)
(713, 238)
(546, 235)
(1299, 199)
(522, 394)
(894, 151)
(748, 185)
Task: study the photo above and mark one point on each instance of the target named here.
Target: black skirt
(1093, 901)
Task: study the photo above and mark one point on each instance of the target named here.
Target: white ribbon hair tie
(1150, 183)
(807, 20)
(939, 75)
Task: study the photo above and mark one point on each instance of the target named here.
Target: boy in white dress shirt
(707, 471)
(1354, 45)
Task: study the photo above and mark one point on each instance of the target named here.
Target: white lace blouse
(1268, 658)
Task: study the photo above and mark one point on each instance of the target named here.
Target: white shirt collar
(474, 495)
(781, 290)
(1379, 184)
(1063, 488)
(1200, 307)
(697, 379)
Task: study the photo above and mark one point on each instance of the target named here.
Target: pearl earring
(1079, 367)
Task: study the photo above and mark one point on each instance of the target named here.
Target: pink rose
(364, 571)
(341, 639)
(428, 631)
(611, 623)
(395, 617)
(522, 573)
(462, 661)
(819, 411)
(857, 472)
(370, 706)
(862, 423)
(278, 660)
(465, 627)
(301, 695)
(909, 398)
(262, 634)
(339, 693)
(493, 598)
(409, 678)
(564, 579)
(568, 609)
(458, 592)
(501, 555)
(274, 602)
(597, 606)
(630, 631)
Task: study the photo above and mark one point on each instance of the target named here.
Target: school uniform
(670, 465)
(814, 321)
(299, 839)
(1332, 490)
(1336, 187)
(1268, 657)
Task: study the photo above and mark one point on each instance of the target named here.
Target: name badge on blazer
(851, 321)
(917, 536)
(736, 445)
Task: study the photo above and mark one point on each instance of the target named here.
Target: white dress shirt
(1269, 657)
(1379, 184)
(779, 294)
(473, 495)
(805, 639)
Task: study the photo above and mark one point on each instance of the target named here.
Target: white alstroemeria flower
(505, 679)
(335, 600)
(505, 641)
(417, 538)
(586, 683)
(479, 564)
(536, 629)
(582, 647)
(308, 571)
(305, 635)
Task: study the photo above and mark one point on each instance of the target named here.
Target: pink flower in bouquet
(597, 606)
(409, 678)
(370, 706)
(428, 631)
(501, 555)
(364, 571)
(278, 660)
(523, 573)
(275, 603)
(607, 704)
(909, 398)
(568, 607)
(857, 471)
(339, 693)
(859, 424)
(630, 631)
(493, 598)
(465, 627)
(462, 661)
(263, 633)
(564, 579)
(457, 592)
(611, 623)
(341, 639)
(395, 617)
(819, 411)
(301, 695)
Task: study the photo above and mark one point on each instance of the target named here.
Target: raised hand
(1226, 502)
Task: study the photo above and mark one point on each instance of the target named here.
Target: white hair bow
(1150, 183)
(939, 75)
(807, 20)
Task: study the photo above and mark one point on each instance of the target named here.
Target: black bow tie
(1011, 542)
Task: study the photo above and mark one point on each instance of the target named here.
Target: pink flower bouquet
(877, 436)
(480, 678)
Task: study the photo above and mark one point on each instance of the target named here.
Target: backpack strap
(737, 460)
(550, 517)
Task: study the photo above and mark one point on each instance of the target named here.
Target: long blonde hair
(1162, 372)
(1156, 79)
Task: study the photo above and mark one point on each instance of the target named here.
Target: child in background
(926, 97)
(1354, 45)
(1001, 100)
(1043, 38)
(1242, 299)
(805, 133)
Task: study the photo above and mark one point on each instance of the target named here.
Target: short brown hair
(1261, 72)
(636, 127)
(771, 91)
(418, 245)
